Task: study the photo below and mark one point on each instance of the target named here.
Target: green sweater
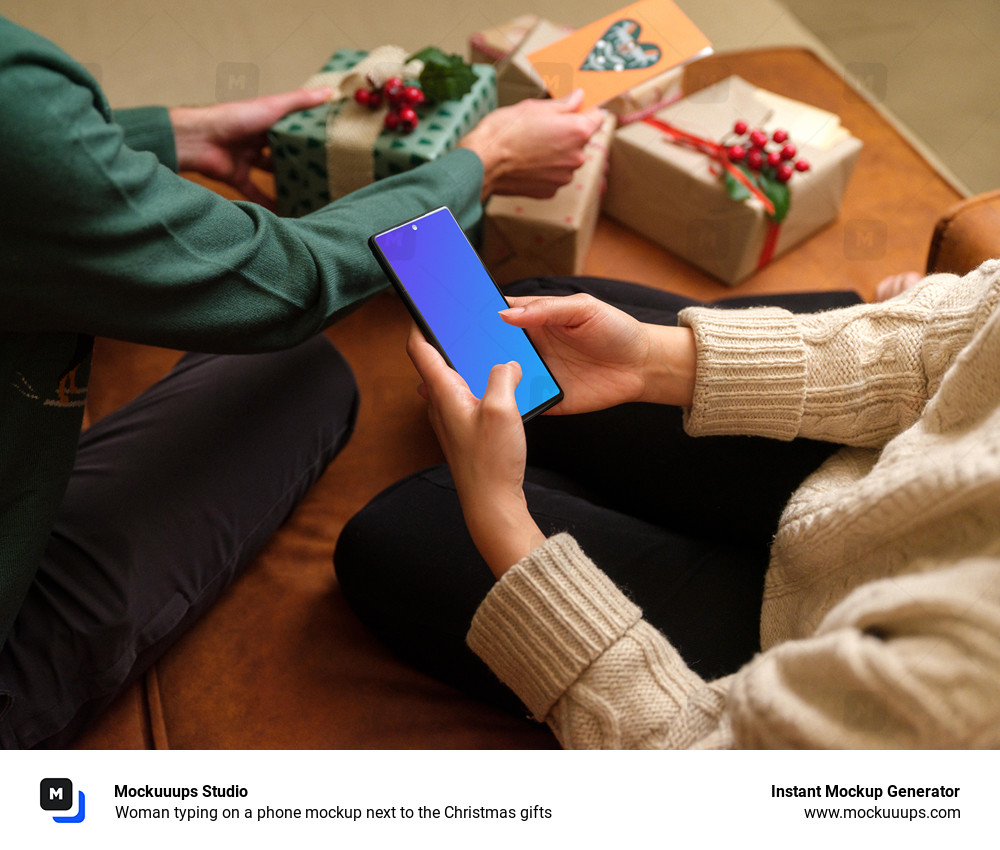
(99, 237)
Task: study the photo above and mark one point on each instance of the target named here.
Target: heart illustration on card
(619, 49)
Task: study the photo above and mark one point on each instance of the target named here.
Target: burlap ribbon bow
(352, 130)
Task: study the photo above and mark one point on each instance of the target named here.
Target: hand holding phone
(456, 304)
(484, 443)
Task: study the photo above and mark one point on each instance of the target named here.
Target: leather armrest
(966, 235)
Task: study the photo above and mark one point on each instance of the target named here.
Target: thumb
(501, 384)
(284, 103)
(595, 117)
(570, 102)
(561, 310)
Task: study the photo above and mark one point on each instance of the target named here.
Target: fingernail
(510, 312)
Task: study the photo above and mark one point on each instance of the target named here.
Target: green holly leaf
(734, 188)
(445, 77)
(430, 55)
(777, 193)
(774, 190)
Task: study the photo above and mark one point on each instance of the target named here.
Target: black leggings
(171, 497)
(682, 525)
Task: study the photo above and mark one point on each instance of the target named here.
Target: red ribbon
(720, 154)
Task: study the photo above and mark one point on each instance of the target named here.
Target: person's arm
(856, 376)
(149, 128)
(100, 238)
(228, 140)
(910, 662)
(533, 147)
(577, 652)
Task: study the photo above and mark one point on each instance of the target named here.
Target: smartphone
(456, 303)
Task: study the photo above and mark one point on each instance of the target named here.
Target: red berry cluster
(755, 155)
(402, 100)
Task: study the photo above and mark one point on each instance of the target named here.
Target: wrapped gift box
(517, 78)
(493, 44)
(298, 141)
(523, 237)
(649, 97)
(674, 195)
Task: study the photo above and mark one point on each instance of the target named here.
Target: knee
(316, 384)
(390, 552)
(328, 373)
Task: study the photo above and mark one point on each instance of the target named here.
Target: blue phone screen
(447, 282)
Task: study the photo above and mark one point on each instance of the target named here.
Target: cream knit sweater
(880, 624)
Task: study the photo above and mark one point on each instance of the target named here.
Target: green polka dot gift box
(299, 141)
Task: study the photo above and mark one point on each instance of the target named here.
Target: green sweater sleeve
(100, 238)
(148, 128)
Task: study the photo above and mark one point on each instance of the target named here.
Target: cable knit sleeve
(910, 662)
(856, 376)
(578, 653)
(904, 662)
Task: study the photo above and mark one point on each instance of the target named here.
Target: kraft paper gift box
(675, 196)
(649, 97)
(491, 45)
(299, 141)
(523, 237)
(517, 78)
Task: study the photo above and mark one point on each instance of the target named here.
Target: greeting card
(620, 51)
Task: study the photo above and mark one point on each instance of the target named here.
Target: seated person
(110, 551)
(768, 527)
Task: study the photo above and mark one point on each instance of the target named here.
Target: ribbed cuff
(148, 128)
(547, 620)
(751, 373)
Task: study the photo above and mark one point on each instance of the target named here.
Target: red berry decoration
(394, 90)
(767, 163)
(362, 96)
(413, 95)
(391, 120)
(408, 119)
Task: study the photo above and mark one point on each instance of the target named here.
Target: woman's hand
(602, 357)
(483, 442)
(533, 147)
(225, 141)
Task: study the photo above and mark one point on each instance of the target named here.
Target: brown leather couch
(280, 662)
